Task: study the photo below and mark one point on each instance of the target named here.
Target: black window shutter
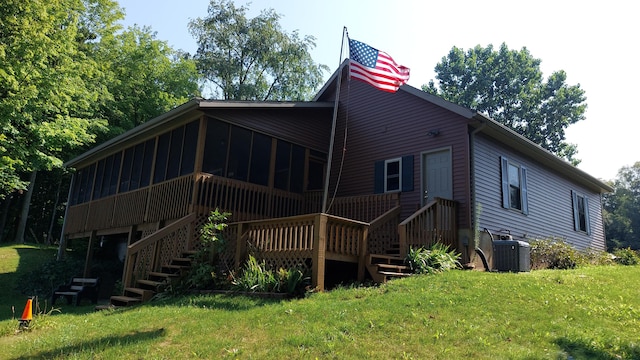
(523, 191)
(378, 178)
(505, 181)
(407, 173)
(586, 215)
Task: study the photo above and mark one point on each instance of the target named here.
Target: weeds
(429, 261)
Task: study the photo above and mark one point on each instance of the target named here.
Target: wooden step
(385, 259)
(161, 275)
(184, 261)
(174, 269)
(150, 284)
(122, 300)
(394, 274)
(396, 268)
(144, 294)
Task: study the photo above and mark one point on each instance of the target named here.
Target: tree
(45, 102)
(622, 209)
(253, 59)
(145, 78)
(508, 86)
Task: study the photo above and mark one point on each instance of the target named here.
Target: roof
(188, 110)
(496, 130)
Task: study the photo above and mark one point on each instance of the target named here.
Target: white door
(436, 175)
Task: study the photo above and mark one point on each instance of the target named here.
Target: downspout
(472, 174)
(62, 245)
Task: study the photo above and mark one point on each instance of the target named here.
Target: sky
(595, 43)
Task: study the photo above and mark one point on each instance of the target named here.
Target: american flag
(375, 67)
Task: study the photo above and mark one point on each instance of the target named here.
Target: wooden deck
(269, 224)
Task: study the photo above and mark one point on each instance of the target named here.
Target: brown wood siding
(549, 199)
(382, 126)
(306, 127)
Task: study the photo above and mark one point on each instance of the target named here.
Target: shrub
(42, 280)
(256, 277)
(626, 256)
(429, 261)
(554, 254)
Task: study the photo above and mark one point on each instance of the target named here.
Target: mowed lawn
(588, 313)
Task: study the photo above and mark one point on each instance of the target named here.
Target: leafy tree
(45, 102)
(145, 78)
(253, 59)
(508, 86)
(622, 209)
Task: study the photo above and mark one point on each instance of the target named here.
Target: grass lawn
(589, 313)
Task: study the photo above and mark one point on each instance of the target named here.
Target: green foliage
(144, 77)
(435, 260)
(46, 93)
(622, 209)
(626, 256)
(43, 279)
(508, 86)
(554, 254)
(211, 232)
(256, 277)
(253, 58)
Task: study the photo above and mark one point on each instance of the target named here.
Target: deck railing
(150, 253)
(305, 241)
(245, 201)
(434, 223)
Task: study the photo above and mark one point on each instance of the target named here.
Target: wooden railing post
(362, 260)
(319, 251)
(241, 247)
(402, 232)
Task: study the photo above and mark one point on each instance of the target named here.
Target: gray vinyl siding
(549, 200)
(381, 126)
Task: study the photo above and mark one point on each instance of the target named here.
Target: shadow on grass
(96, 345)
(581, 349)
(228, 302)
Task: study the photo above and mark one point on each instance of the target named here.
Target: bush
(256, 277)
(44, 279)
(626, 256)
(430, 261)
(550, 254)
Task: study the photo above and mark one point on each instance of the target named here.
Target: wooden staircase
(385, 267)
(155, 283)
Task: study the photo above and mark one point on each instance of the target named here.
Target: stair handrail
(153, 239)
(436, 226)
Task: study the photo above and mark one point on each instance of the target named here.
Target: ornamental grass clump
(434, 260)
(257, 277)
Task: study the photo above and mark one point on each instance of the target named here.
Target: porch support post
(241, 246)
(319, 251)
(362, 260)
(87, 261)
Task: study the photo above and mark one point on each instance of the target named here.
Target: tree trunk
(24, 213)
(49, 240)
(5, 213)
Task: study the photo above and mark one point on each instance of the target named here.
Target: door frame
(423, 169)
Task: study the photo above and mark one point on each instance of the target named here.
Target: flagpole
(333, 127)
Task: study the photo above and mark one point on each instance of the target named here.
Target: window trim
(506, 186)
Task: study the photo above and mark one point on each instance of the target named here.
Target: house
(408, 169)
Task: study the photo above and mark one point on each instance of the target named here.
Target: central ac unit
(511, 255)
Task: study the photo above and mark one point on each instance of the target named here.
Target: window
(580, 212)
(514, 186)
(394, 175)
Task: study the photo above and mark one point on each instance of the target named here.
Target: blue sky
(595, 43)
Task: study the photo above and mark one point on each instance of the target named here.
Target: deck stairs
(385, 267)
(155, 282)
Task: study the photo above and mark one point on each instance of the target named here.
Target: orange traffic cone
(27, 314)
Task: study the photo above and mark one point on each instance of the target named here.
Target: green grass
(588, 313)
